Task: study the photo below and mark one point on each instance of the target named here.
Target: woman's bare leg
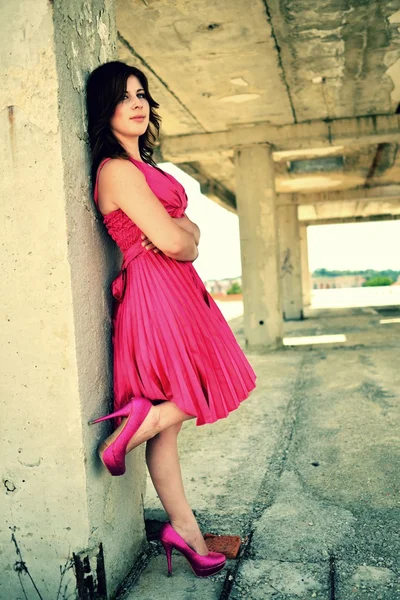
(163, 463)
(160, 417)
(160, 429)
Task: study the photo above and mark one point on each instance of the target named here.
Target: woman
(175, 357)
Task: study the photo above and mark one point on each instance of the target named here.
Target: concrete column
(290, 262)
(305, 268)
(66, 523)
(255, 193)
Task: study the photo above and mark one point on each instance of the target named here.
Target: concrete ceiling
(218, 67)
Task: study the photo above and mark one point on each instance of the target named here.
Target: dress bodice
(168, 190)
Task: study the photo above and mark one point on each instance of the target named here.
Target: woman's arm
(183, 222)
(124, 185)
(189, 226)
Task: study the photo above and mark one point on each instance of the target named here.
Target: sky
(354, 246)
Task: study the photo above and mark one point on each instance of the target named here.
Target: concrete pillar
(290, 262)
(305, 268)
(255, 194)
(66, 523)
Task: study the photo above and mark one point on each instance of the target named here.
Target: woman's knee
(172, 430)
(177, 427)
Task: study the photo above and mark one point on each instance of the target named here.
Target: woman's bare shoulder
(116, 172)
(119, 167)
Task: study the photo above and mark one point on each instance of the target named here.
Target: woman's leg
(160, 417)
(163, 463)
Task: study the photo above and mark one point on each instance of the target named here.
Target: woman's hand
(148, 244)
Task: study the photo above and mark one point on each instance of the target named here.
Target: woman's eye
(139, 95)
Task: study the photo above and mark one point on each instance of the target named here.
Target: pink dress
(170, 340)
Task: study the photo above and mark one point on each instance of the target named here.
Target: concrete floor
(308, 469)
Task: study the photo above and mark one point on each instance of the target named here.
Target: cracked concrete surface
(309, 467)
(276, 62)
(299, 525)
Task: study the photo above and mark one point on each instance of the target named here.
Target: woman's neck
(131, 146)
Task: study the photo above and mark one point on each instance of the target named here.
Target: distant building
(221, 286)
(340, 281)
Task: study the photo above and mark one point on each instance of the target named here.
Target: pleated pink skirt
(171, 342)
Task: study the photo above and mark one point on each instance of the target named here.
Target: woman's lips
(137, 118)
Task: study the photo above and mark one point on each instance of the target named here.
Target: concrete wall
(57, 262)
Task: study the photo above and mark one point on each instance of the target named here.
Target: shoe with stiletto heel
(202, 566)
(113, 456)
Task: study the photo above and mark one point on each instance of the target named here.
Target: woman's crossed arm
(122, 185)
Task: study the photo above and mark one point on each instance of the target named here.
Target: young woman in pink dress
(175, 356)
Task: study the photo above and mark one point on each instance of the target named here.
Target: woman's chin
(137, 130)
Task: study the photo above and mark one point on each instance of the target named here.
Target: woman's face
(125, 120)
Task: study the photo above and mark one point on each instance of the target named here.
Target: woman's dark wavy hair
(105, 88)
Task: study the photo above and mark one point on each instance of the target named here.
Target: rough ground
(307, 470)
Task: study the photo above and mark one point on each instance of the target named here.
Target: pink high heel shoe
(202, 566)
(113, 457)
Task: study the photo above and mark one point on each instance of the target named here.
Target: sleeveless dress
(170, 340)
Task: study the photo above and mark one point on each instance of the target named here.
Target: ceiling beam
(339, 220)
(309, 136)
(210, 187)
(387, 194)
